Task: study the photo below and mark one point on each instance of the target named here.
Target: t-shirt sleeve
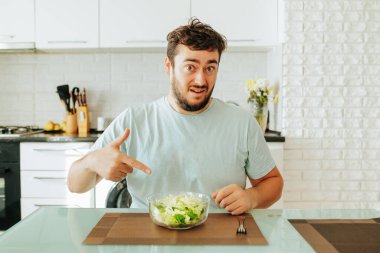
(113, 131)
(260, 161)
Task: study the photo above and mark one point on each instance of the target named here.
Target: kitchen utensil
(74, 93)
(84, 97)
(63, 88)
(179, 210)
(67, 102)
(64, 95)
(241, 228)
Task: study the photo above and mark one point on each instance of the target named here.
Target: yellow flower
(260, 90)
(250, 85)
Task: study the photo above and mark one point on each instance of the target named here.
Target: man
(190, 141)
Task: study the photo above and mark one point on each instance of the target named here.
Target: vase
(261, 114)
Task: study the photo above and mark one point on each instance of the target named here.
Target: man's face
(193, 77)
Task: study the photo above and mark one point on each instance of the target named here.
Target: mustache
(199, 86)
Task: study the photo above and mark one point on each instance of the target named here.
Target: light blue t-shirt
(200, 153)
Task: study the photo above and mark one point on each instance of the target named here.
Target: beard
(183, 103)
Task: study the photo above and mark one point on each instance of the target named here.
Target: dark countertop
(273, 136)
(54, 137)
(93, 136)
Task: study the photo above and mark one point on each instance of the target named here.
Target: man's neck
(173, 103)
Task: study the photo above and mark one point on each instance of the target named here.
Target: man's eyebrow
(197, 61)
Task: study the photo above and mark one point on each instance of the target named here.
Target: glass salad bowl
(182, 210)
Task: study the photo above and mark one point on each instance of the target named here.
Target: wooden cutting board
(138, 228)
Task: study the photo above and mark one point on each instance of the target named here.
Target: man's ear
(168, 65)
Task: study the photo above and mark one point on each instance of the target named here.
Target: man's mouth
(198, 90)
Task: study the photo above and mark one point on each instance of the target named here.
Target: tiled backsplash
(113, 80)
(331, 107)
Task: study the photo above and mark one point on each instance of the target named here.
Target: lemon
(49, 126)
(56, 127)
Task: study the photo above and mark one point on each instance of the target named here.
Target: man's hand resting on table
(234, 199)
(265, 191)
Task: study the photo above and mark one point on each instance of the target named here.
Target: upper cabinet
(125, 23)
(61, 24)
(67, 24)
(243, 22)
(16, 21)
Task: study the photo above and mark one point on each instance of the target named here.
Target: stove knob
(12, 130)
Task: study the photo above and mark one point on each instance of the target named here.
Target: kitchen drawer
(51, 156)
(29, 205)
(45, 184)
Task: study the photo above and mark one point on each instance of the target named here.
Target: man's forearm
(81, 178)
(267, 192)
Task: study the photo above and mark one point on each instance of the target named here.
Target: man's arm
(268, 189)
(82, 177)
(109, 163)
(263, 193)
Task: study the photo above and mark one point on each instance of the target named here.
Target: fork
(241, 228)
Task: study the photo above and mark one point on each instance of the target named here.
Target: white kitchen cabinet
(101, 192)
(16, 21)
(67, 24)
(29, 205)
(44, 167)
(243, 22)
(127, 23)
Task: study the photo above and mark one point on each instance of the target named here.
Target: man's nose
(200, 78)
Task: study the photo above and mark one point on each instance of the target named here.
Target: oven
(10, 193)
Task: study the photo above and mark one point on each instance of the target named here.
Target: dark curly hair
(197, 36)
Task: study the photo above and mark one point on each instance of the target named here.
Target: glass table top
(64, 229)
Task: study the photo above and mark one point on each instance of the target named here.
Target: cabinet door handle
(67, 42)
(59, 150)
(11, 36)
(54, 149)
(50, 178)
(52, 205)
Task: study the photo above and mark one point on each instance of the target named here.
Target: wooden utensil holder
(83, 120)
(71, 123)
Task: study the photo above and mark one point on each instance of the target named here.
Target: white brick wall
(331, 87)
(113, 80)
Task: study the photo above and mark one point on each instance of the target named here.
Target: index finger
(223, 193)
(136, 164)
(119, 140)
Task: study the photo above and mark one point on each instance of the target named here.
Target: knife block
(83, 120)
(71, 124)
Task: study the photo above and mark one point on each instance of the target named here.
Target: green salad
(179, 210)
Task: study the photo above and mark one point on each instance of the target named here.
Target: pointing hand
(112, 164)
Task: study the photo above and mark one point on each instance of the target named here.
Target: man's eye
(210, 69)
(189, 68)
